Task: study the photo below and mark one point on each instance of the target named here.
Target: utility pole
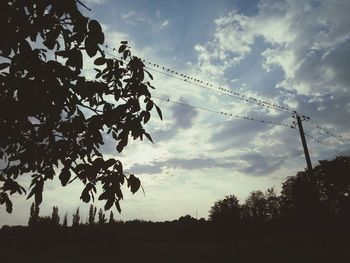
(303, 141)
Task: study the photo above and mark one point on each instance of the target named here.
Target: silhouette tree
(272, 204)
(76, 218)
(65, 221)
(101, 217)
(333, 184)
(225, 210)
(256, 206)
(51, 116)
(325, 188)
(111, 218)
(187, 219)
(92, 215)
(55, 218)
(34, 215)
(301, 205)
(44, 222)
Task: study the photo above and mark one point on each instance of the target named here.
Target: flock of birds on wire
(237, 95)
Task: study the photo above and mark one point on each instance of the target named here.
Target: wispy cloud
(164, 24)
(133, 18)
(94, 2)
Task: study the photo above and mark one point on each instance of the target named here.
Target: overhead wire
(224, 113)
(236, 95)
(221, 92)
(204, 84)
(327, 131)
(320, 142)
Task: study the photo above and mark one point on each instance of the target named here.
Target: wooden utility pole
(303, 141)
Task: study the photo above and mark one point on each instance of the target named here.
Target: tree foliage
(65, 221)
(325, 189)
(225, 210)
(256, 205)
(308, 198)
(76, 218)
(52, 118)
(111, 218)
(34, 215)
(92, 214)
(101, 217)
(55, 218)
(273, 207)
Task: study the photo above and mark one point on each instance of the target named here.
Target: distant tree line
(35, 220)
(312, 203)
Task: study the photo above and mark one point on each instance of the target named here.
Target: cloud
(145, 169)
(182, 117)
(261, 163)
(305, 39)
(134, 18)
(94, 2)
(128, 15)
(295, 51)
(198, 164)
(251, 163)
(164, 24)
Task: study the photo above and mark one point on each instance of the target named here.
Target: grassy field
(262, 251)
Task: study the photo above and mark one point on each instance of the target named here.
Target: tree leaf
(4, 65)
(134, 183)
(9, 206)
(121, 48)
(119, 167)
(149, 105)
(62, 53)
(94, 26)
(159, 112)
(109, 163)
(90, 46)
(109, 203)
(126, 54)
(120, 147)
(117, 206)
(85, 195)
(103, 196)
(149, 74)
(146, 117)
(148, 137)
(99, 61)
(4, 198)
(64, 176)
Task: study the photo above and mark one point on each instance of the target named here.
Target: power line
(220, 91)
(320, 142)
(239, 96)
(224, 113)
(206, 85)
(327, 131)
(203, 84)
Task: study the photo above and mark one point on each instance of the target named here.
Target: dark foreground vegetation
(168, 242)
(308, 222)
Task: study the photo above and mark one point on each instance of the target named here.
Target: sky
(294, 53)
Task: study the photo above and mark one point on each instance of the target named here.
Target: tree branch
(81, 3)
